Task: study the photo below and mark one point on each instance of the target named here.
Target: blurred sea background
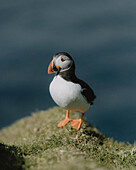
(99, 35)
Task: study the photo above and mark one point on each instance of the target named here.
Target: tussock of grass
(38, 144)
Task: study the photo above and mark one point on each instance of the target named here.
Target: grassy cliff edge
(36, 143)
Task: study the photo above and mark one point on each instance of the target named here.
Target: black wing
(86, 91)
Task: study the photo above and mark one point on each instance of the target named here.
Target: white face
(63, 62)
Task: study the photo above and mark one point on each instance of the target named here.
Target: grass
(35, 143)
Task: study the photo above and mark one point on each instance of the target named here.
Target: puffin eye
(62, 60)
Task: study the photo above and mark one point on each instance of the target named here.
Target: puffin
(68, 91)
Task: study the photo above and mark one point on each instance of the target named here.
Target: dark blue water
(101, 37)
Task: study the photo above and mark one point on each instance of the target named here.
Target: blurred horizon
(101, 38)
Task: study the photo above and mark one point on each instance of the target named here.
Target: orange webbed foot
(63, 122)
(76, 124)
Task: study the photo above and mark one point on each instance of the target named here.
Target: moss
(41, 145)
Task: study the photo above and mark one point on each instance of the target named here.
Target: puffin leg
(65, 121)
(76, 124)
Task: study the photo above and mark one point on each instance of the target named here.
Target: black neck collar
(68, 75)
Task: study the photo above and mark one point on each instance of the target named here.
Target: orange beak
(50, 70)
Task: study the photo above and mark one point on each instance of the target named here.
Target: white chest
(67, 94)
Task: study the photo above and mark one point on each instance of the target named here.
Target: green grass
(36, 143)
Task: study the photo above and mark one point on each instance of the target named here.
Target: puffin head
(61, 62)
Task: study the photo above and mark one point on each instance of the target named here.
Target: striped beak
(50, 70)
(53, 68)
